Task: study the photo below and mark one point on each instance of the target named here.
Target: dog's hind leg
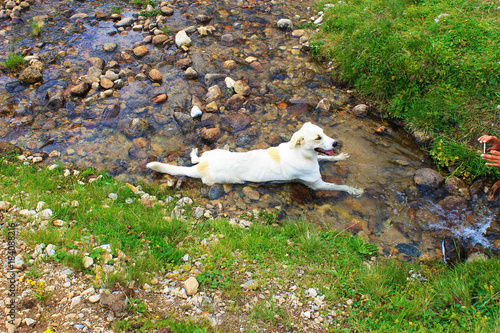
(175, 170)
(195, 159)
(322, 185)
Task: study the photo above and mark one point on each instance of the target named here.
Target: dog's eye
(318, 138)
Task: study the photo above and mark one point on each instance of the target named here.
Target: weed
(36, 27)
(150, 13)
(39, 291)
(14, 62)
(166, 30)
(116, 10)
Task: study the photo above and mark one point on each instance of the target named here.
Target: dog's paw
(194, 152)
(342, 156)
(357, 192)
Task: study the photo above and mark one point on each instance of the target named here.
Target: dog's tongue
(326, 152)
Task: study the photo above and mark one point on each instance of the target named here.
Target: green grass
(14, 62)
(418, 296)
(36, 27)
(440, 77)
(116, 10)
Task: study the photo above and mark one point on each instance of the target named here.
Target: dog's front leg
(322, 185)
(339, 157)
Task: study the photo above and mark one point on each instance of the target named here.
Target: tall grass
(433, 64)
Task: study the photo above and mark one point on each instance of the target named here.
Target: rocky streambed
(113, 86)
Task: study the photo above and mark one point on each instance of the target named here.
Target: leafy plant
(116, 10)
(14, 62)
(36, 26)
(150, 13)
(39, 291)
(362, 247)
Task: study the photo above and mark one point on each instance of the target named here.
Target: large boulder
(428, 179)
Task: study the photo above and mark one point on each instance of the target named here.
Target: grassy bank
(357, 289)
(433, 64)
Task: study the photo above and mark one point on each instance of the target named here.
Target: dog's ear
(297, 140)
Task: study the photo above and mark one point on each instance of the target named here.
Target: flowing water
(392, 212)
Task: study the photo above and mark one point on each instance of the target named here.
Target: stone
(140, 51)
(191, 286)
(155, 75)
(45, 214)
(137, 128)
(324, 105)
(111, 112)
(229, 64)
(492, 194)
(81, 89)
(182, 39)
(209, 134)
(210, 78)
(257, 66)
(236, 122)
(191, 73)
(360, 110)
(183, 63)
(212, 107)
(106, 83)
(57, 100)
(284, 24)
(78, 16)
(213, 93)
(196, 112)
(159, 39)
(87, 261)
(250, 285)
(124, 22)
(428, 179)
(4, 206)
(166, 10)
(242, 88)
(184, 121)
(251, 193)
(160, 98)
(203, 19)
(116, 301)
(75, 302)
(216, 191)
(229, 82)
(235, 102)
(110, 47)
(96, 62)
(32, 73)
(227, 40)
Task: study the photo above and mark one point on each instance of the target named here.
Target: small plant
(39, 292)
(14, 62)
(116, 10)
(166, 30)
(34, 273)
(363, 248)
(137, 306)
(36, 26)
(151, 13)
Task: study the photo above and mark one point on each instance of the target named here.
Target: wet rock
(111, 112)
(227, 40)
(33, 73)
(166, 10)
(455, 186)
(428, 179)
(408, 249)
(106, 83)
(209, 134)
(329, 194)
(140, 51)
(160, 98)
(204, 31)
(190, 73)
(236, 122)
(155, 75)
(298, 105)
(57, 100)
(184, 121)
(492, 194)
(159, 39)
(203, 19)
(324, 105)
(110, 47)
(210, 78)
(235, 102)
(257, 66)
(360, 110)
(81, 89)
(216, 191)
(229, 64)
(300, 194)
(137, 127)
(97, 62)
(124, 22)
(285, 24)
(251, 193)
(477, 188)
(183, 63)
(212, 107)
(182, 39)
(195, 112)
(78, 16)
(453, 250)
(213, 93)
(191, 286)
(242, 88)
(116, 301)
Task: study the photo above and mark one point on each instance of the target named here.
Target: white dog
(296, 160)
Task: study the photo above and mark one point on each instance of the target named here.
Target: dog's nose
(334, 144)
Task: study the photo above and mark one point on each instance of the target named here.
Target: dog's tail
(174, 170)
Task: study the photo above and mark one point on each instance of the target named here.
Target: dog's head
(311, 138)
